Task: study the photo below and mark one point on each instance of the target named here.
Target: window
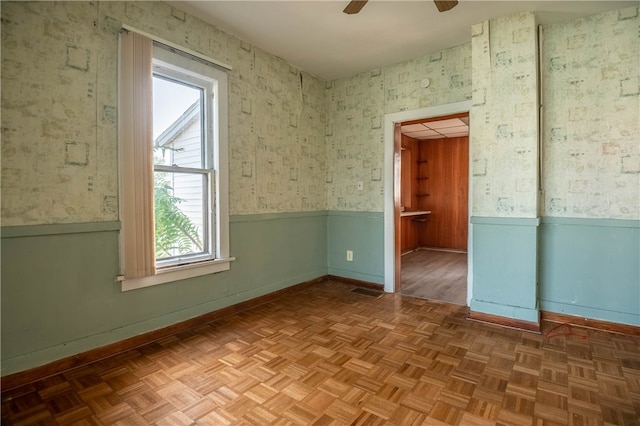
(183, 165)
(173, 159)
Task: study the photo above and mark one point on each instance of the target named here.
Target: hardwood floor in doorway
(435, 274)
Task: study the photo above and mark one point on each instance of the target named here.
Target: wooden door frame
(392, 154)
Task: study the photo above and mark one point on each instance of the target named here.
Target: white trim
(178, 47)
(177, 273)
(120, 101)
(389, 124)
(221, 165)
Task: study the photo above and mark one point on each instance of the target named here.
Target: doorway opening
(393, 194)
(434, 181)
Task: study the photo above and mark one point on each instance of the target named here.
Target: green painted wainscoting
(362, 233)
(505, 269)
(591, 268)
(60, 297)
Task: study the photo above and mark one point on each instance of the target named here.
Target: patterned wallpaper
(591, 128)
(591, 77)
(301, 144)
(355, 114)
(503, 118)
(59, 113)
(277, 131)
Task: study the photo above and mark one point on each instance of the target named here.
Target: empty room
(320, 212)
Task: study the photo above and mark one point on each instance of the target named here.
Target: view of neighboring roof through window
(170, 101)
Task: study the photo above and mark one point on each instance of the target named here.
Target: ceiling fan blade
(355, 6)
(444, 5)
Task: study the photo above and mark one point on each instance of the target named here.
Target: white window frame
(191, 67)
(174, 67)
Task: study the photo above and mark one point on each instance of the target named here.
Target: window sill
(177, 273)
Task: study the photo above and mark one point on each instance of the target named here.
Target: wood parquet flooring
(328, 356)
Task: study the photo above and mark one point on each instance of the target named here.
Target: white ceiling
(318, 38)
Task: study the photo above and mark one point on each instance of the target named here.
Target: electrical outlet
(360, 185)
(349, 256)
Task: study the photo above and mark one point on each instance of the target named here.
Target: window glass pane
(177, 123)
(180, 214)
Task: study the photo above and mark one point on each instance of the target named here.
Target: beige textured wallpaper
(301, 144)
(356, 107)
(504, 125)
(591, 77)
(59, 113)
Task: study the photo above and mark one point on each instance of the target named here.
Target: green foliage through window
(175, 232)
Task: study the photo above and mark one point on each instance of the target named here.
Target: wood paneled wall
(408, 172)
(446, 164)
(408, 189)
(410, 231)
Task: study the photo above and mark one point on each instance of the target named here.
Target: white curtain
(136, 155)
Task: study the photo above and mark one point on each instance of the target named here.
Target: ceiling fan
(356, 6)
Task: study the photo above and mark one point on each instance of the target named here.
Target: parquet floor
(435, 274)
(328, 356)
